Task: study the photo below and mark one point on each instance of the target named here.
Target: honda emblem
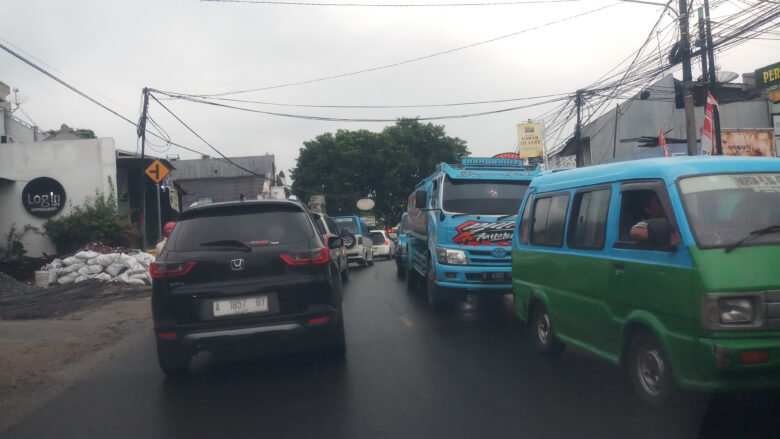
(237, 264)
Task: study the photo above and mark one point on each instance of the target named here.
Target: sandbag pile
(125, 268)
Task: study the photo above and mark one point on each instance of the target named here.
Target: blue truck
(460, 222)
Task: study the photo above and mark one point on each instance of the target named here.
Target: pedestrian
(166, 233)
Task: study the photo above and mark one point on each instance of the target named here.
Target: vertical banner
(707, 144)
(530, 142)
(662, 143)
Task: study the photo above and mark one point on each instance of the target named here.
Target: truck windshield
(346, 224)
(483, 197)
(725, 209)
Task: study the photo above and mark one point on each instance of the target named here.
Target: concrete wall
(646, 117)
(81, 166)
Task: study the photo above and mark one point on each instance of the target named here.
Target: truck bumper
(479, 279)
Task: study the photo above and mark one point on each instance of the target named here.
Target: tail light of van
(315, 257)
(159, 270)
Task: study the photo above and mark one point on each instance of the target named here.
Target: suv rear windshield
(260, 225)
(346, 224)
(378, 238)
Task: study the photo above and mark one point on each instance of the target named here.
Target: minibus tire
(645, 357)
(547, 345)
(400, 270)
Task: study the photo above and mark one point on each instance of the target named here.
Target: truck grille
(485, 257)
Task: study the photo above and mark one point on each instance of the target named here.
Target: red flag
(662, 143)
(707, 145)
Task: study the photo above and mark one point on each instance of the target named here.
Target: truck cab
(460, 226)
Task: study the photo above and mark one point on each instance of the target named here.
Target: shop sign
(43, 197)
(769, 75)
(756, 142)
(529, 140)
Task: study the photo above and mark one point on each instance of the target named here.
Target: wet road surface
(409, 372)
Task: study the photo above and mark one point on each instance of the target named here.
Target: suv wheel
(339, 346)
(345, 273)
(370, 257)
(173, 360)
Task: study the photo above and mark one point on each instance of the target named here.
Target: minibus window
(523, 237)
(549, 220)
(637, 206)
(588, 222)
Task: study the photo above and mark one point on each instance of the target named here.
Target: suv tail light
(159, 270)
(319, 256)
(385, 243)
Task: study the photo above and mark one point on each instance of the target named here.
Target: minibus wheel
(542, 330)
(649, 370)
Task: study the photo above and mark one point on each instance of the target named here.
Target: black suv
(245, 274)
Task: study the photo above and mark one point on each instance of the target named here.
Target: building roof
(668, 168)
(220, 168)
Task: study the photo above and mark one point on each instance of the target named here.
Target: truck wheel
(412, 279)
(649, 370)
(542, 329)
(433, 291)
(173, 360)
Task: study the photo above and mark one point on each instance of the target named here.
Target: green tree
(384, 166)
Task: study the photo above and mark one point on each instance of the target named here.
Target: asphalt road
(408, 373)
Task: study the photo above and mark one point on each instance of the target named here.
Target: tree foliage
(384, 166)
(95, 220)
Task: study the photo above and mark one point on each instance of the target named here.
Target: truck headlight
(722, 311)
(451, 256)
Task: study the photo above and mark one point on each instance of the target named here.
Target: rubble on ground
(102, 263)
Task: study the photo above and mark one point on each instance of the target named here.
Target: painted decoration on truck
(477, 233)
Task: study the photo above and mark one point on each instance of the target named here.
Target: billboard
(530, 142)
(753, 142)
(769, 75)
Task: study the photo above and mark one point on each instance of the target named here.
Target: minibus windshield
(725, 209)
(483, 197)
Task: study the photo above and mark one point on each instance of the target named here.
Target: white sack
(67, 279)
(90, 270)
(114, 269)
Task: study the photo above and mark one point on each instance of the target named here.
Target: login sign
(43, 197)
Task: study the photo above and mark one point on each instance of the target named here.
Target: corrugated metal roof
(219, 168)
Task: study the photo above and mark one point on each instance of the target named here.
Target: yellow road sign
(157, 171)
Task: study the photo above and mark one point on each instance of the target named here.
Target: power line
(342, 119)
(206, 142)
(400, 63)
(390, 5)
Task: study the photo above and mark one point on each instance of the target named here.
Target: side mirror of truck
(420, 199)
(659, 232)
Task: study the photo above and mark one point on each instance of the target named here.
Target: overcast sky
(111, 49)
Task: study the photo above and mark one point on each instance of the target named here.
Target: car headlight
(719, 311)
(451, 256)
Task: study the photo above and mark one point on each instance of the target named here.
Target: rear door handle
(619, 265)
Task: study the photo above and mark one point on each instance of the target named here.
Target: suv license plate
(245, 305)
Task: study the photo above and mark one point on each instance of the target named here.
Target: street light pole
(713, 79)
(142, 135)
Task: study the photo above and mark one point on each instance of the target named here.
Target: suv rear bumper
(295, 334)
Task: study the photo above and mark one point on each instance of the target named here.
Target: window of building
(588, 221)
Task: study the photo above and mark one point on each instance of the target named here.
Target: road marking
(406, 321)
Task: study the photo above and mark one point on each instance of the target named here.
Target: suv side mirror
(420, 199)
(659, 232)
(335, 242)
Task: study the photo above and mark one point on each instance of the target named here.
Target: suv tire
(173, 360)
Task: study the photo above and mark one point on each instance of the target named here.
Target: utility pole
(703, 45)
(713, 79)
(142, 135)
(578, 132)
(690, 118)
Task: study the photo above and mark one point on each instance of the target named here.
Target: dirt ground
(39, 358)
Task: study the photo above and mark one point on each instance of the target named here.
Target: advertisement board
(530, 142)
(753, 142)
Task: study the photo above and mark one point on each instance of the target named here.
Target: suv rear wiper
(753, 235)
(227, 243)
